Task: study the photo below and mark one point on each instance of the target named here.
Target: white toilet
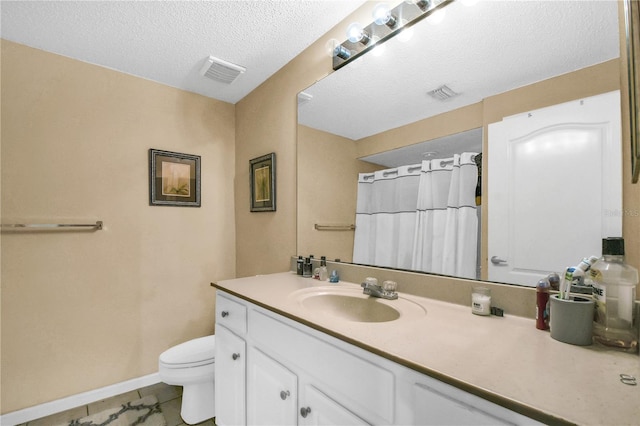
(191, 365)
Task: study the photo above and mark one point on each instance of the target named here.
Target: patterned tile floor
(169, 397)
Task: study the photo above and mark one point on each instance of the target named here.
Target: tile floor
(169, 397)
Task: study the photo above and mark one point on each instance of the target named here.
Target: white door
(272, 391)
(554, 187)
(318, 409)
(230, 378)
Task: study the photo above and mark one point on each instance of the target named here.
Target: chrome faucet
(373, 289)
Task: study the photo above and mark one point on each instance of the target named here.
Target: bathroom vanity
(292, 350)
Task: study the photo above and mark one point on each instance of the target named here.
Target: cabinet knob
(224, 314)
(284, 394)
(235, 356)
(304, 411)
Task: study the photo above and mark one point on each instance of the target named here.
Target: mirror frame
(632, 26)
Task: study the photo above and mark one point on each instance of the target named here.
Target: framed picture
(263, 183)
(632, 22)
(174, 179)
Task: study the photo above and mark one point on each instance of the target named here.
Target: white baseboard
(63, 404)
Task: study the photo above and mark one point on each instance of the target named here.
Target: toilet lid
(196, 350)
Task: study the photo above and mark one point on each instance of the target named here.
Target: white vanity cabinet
(231, 358)
(295, 375)
(272, 391)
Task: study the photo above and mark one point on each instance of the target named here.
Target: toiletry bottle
(614, 288)
(542, 304)
(307, 268)
(323, 274)
(334, 277)
(481, 301)
(300, 265)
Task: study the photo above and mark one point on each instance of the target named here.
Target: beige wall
(82, 310)
(266, 121)
(327, 177)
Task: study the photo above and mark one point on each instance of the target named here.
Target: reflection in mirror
(524, 56)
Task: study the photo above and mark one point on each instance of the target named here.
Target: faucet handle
(389, 286)
(370, 281)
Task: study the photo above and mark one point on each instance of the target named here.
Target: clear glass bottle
(614, 289)
(323, 274)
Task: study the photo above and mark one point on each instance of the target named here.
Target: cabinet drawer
(231, 314)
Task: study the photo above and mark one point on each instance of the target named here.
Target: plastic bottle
(300, 265)
(323, 274)
(307, 268)
(614, 289)
(542, 304)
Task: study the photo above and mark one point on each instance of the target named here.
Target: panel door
(230, 378)
(318, 409)
(432, 407)
(554, 187)
(272, 391)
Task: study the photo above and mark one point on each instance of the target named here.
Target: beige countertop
(503, 359)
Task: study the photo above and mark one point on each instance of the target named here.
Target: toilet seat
(194, 353)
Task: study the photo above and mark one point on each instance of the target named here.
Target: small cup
(481, 301)
(572, 320)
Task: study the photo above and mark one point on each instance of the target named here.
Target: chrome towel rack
(319, 227)
(52, 226)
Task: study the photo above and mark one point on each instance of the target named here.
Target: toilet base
(198, 402)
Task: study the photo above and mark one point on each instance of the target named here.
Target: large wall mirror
(498, 58)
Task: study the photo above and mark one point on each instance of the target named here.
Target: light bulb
(382, 15)
(355, 32)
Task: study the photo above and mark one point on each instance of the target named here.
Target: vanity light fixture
(382, 16)
(355, 33)
(423, 4)
(387, 23)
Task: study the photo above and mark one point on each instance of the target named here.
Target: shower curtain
(420, 217)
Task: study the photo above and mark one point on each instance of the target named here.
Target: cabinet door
(441, 404)
(230, 378)
(272, 391)
(318, 409)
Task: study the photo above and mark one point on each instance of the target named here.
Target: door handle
(497, 261)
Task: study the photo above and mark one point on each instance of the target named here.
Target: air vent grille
(303, 98)
(221, 71)
(442, 93)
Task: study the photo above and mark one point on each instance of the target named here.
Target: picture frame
(632, 26)
(174, 179)
(263, 183)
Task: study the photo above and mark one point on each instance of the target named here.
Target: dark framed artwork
(174, 179)
(632, 24)
(263, 183)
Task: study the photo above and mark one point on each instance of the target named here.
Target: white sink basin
(351, 304)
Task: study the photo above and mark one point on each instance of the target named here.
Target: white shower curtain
(386, 217)
(420, 217)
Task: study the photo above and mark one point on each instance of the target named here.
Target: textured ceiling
(478, 51)
(169, 41)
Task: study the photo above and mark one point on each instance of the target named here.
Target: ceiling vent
(303, 98)
(442, 93)
(221, 71)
